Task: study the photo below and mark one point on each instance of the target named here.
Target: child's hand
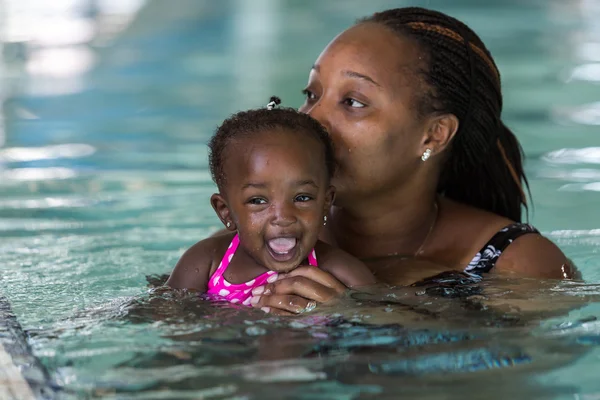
(297, 291)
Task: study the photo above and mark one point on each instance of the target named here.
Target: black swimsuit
(486, 258)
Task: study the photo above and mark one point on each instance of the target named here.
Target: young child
(273, 168)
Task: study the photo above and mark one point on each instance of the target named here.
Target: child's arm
(346, 268)
(194, 268)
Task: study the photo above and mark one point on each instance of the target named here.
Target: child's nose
(283, 214)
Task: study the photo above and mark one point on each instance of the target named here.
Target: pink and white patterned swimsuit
(242, 292)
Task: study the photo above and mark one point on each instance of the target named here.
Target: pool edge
(26, 377)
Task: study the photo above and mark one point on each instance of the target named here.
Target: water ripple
(67, 150)
(588, 155)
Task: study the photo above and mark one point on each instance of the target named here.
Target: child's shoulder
(344, 266)
(213, 245)
(212, 248)
(199, 261)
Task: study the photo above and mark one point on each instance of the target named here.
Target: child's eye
(257, 201)
(354, 103)
(303, 198)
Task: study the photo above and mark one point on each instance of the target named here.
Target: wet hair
(246, 124)
(484, 166)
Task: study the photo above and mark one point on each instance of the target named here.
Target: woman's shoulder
(536, 256)
(517, 247)
(473, 216)
(467, 229)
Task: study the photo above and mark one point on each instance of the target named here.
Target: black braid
(247, 123)
(462, 78)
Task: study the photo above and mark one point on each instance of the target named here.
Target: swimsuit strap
(312, 258)
(235, 242)
(487, 257)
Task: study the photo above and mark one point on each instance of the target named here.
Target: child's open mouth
(283, 248)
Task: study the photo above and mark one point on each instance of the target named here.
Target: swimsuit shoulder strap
(486, 258)
(312, 258)
(225, 260)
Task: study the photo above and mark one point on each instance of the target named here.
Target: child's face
(276, 194)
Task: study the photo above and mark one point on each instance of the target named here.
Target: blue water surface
(104, 180)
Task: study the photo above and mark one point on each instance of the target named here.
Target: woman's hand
(297, 291)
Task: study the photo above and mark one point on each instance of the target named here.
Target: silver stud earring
(426, 155)
(325, 220)
(228, 224)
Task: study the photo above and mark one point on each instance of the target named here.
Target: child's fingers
(294, 292)
(298, 286)
(276, 311)
(317, 275)
(280, 304)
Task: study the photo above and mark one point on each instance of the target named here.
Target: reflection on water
(106, 108)
(17, 154)
(586, 114)
(590, 155)
(587, 72)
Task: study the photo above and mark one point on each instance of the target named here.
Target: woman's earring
(426, 155)
(228, 224)
(324, 220)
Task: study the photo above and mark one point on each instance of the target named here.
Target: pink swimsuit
(242, 292)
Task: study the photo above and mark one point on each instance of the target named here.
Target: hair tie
(273, 102)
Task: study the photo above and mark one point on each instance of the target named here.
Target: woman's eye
(308, 94)
(257, 201)
(354, 103)
(303, 198)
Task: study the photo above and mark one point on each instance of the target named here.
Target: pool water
(104, 180)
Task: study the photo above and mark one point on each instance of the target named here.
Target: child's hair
(247, 123)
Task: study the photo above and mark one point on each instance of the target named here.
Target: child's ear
(222, 209)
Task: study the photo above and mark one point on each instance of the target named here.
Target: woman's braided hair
(484, 167)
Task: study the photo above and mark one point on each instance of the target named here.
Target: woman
(428, 173)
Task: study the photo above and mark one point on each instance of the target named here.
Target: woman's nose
(319, 112)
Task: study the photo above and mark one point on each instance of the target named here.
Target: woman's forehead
(371, 50)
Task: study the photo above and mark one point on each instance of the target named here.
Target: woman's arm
(346, 268)
(536, 256)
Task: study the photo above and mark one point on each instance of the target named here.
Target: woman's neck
(397, 225)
